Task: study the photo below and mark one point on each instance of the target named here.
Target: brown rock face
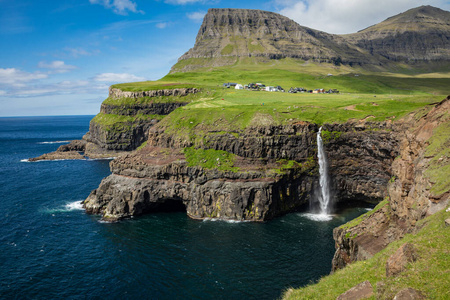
(409, 294)
(227, 34)
(398, 261)
(149, 181)
(419, 34)
(361, 291)
(255, 192)
(409, 197)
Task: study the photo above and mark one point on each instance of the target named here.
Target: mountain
(419, 34)
(228, 36)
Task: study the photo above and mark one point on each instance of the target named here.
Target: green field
(375, 96)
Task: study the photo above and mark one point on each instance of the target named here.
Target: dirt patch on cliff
(350, 107)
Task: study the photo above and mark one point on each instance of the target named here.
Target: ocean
(51, 249)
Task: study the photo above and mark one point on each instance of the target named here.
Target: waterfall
(324, 195)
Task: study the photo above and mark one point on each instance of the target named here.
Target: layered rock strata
(148, 180)
(120, 126)
(410, 197)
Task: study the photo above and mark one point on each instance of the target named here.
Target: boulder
(398, 261)
(361, 291)
(409, 294)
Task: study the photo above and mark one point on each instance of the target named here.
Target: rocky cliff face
(419, 34)
(159, 176)
(226, 35)
(410, 191)
(121, 125)
(360, 157)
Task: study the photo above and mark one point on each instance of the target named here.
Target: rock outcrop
(261, 189)
(416, 37)
(121, 126)
(153, 180)
(398, 261)
(410, 191)
(363, 290)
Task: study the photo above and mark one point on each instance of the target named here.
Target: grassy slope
(429, 274)
(383, 96)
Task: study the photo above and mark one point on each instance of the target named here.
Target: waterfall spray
(324, 196)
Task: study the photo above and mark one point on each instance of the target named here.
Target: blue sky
(59, 57)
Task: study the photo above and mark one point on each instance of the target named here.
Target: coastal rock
(398, 261)
(58, 155)
(146, 182)
(255, 192)
(117, 93)
(363, 290)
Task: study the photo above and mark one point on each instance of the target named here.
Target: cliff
(123, 123)
(273, 171)
(419, 34)
(229, 36)
(419, 187)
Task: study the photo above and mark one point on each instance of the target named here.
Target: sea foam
(54, 142)
(317, 217)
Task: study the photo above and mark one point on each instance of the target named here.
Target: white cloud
(347, 16)
(16, 83)
(162, 25)
(16, 78)
(120, 7)
(196, 16)
(117, 77)
(56, 66)
(182, 2)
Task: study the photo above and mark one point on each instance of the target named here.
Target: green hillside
(379, 96)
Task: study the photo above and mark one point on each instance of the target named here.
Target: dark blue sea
(51, 249)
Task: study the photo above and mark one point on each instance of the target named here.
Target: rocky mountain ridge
(228, 35)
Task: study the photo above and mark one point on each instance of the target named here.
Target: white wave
(106, 158)
(76, 205)
(368, 209)
(317, 217)
(71, 206)
(25, 160)
(54, 142)
(225, 220)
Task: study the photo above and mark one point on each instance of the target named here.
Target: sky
(58, 57)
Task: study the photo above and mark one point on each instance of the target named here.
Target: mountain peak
(228, 35)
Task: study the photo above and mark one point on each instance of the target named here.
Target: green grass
(109, 120)
(210, 159)
(363, 217)
(296, 73)
(234, 110)
(152, 85)
(429, 274)
(126, 101)
(439, 148)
